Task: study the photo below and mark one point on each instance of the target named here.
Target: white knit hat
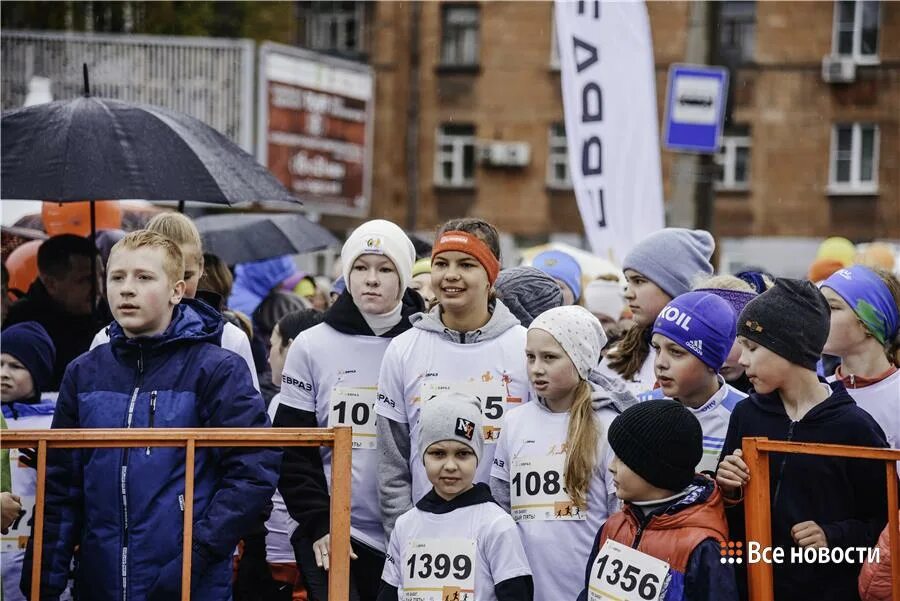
(605, 297)
(577, 331)
(380, 237)
(451, 416)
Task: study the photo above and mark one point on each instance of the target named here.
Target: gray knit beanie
(527, 292)
(673, 258)
(451, 416)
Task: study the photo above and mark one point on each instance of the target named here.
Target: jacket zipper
(790, 436)
(152, 413)
(123, 483)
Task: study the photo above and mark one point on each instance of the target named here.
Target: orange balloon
(23, 266)
(75, 217)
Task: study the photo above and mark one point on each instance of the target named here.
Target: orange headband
(471, 245)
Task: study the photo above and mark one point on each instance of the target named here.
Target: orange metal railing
(191, 439)
(758, 511)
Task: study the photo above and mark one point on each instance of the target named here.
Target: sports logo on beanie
(465, 428)
(701, 323)
(373, 246)
(681, 319)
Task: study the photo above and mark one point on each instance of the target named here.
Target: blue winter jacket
(124, 507)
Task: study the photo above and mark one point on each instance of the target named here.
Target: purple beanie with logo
(702, 323)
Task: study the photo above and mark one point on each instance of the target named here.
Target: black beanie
(661, 441)
(791, 319)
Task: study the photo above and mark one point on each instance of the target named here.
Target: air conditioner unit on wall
(838, 69)
(505, 154)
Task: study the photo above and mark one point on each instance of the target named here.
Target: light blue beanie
(561, 266)
(673, 258)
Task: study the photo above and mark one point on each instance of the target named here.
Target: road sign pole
(690, 204)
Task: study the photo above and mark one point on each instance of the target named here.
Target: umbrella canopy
(96, 148)
(246, 237)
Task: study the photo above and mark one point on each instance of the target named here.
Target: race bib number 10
(355, 407)
(439, 570)
(492, 396)
(620, 572)
(537, 490)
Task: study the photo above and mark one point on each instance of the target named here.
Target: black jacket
(71, 334)
(847, 498)
(302, 482)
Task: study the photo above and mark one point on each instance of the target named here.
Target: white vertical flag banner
(609, 97)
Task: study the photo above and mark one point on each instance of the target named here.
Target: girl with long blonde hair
(550, 468)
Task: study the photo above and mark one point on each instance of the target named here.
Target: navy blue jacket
(124, 507)
(847, 498)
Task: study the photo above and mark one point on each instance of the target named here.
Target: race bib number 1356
(620, 572)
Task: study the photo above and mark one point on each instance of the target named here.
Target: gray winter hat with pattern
(451, 416)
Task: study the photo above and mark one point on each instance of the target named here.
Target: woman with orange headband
(468, 342)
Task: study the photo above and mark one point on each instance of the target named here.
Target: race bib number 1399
(620, 572)
(439, 570)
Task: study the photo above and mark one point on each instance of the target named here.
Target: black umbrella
(97, 148)
(245, 237)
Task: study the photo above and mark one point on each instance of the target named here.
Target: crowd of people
(520, 433)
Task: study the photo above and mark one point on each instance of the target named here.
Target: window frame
(315, 30)
(737, 25)
(727, 158)
(456, 155)
(855, 54)
(555, 159)
(444, 38)
(855, 186)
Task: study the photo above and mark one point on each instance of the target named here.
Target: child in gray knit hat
(456, 543)
(661, 267)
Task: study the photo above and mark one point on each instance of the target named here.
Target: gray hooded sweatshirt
(394, 438)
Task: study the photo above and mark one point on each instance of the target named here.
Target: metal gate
(208, 78)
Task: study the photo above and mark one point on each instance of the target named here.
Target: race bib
(19, 531)
(355, 407)
(537, 490)
(439, 569)
(491, 395)
(620, 572)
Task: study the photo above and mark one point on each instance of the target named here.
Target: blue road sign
(695, 108)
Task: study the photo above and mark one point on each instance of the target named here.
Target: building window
(737, 31)
(856, 25)
(459, 41)
(854, 159)
(454, 164)
(558, 175)
(734, 157)
(335, 26)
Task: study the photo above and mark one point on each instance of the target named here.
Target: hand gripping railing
(339, 438)
(758, 511)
